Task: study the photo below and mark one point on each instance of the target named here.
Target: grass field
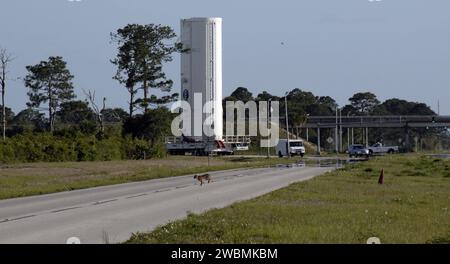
(18, 180)
(345, 206)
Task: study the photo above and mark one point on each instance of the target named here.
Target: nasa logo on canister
(186, 95)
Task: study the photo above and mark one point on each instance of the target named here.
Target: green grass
(19, 180)
(344, 206)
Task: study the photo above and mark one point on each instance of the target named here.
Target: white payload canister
(201, 72)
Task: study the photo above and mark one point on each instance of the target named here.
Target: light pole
(287, 125)
(307, 130)
(268, 116)
(336, 132)
(348, 133)
(340, 130)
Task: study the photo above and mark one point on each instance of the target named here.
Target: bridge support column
(336, 139)
(407, 140)
(367, 137)
(348, 137)
(318, 141)
(353, 136)
(363, 137)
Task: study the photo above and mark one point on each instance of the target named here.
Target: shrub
(109, 149)
(86, 149)
(71, 145)
(158, 151)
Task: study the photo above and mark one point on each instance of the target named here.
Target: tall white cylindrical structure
(201, 71)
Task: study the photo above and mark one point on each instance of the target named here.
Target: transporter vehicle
(378, 148)
(296, 147)
(237, 143)
(358, 150)
(196, 146)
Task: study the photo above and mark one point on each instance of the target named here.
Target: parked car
(378, 148)
(296, 147)
(358, 151)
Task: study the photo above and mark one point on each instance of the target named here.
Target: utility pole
(318, 141)
(307, 129)
(340, 130)
(348, 133)
(336, 133)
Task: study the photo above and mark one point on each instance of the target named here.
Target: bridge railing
(375, 120)
(332, 119)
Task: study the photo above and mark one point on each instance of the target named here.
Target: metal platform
(236, 139)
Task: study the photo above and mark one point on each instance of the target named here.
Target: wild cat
(201, 178)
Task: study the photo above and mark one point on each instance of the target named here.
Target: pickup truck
(378, 148)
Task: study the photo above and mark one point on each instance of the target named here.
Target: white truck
(378, 148)
(196, 146)
(296, 147)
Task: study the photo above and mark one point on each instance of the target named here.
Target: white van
(296, 147)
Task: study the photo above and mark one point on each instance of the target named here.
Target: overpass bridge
(365, 122)
(377, 122)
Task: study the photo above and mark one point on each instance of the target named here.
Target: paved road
(340, 158)
(112, 213)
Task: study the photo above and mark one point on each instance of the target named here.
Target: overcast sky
(394, 48)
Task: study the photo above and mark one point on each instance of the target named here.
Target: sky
(393, 48)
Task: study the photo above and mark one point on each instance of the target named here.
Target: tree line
(302, 104)
(56, 126)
